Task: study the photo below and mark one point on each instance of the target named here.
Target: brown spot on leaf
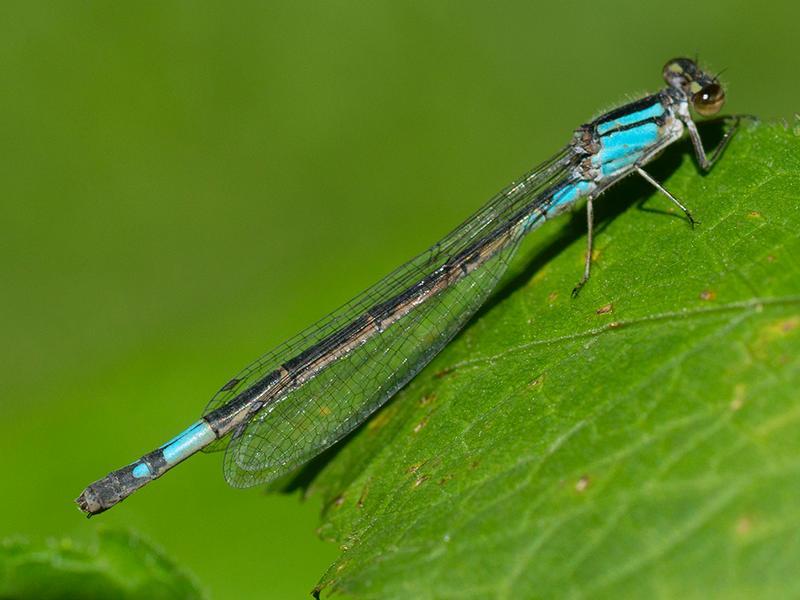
(708, 295)
(444, 372)
(582, 484)
(536, 382)
(379, 420)
(780, 328)
(552, 296)
(363, 496)
(420, 481)
(754, 214)
(418, 427)
(427, 399)
(605, 309)
(744, 525)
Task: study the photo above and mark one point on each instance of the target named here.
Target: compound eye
(709, 100)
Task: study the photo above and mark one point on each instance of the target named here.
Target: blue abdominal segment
(560, 201)
(187, 443)
(142, 470)
(568, 194)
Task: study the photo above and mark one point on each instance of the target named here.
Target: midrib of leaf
(557, 446)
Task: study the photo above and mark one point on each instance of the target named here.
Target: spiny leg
(664, 191)
(589, 241)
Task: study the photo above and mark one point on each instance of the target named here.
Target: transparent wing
(310, 418)
(289, 429)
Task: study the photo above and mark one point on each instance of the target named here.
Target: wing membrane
(322, 411)
(295, 426)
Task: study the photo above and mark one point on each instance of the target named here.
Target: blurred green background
(184, 185)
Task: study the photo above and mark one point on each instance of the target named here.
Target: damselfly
(304, 396)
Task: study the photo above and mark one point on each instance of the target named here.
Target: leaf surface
(117, 565)
(643, 439)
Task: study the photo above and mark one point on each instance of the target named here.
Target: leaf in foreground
(117, 565)
(642, 439)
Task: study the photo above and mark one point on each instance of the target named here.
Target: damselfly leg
(704, 161)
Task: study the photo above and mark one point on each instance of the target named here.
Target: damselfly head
(703, 90)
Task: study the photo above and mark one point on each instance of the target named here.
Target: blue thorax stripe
(653, 111)
(620, 149)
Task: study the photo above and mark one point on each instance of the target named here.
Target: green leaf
(118, 565)
(643, 439)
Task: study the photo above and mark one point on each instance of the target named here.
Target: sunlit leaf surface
(641, 440)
